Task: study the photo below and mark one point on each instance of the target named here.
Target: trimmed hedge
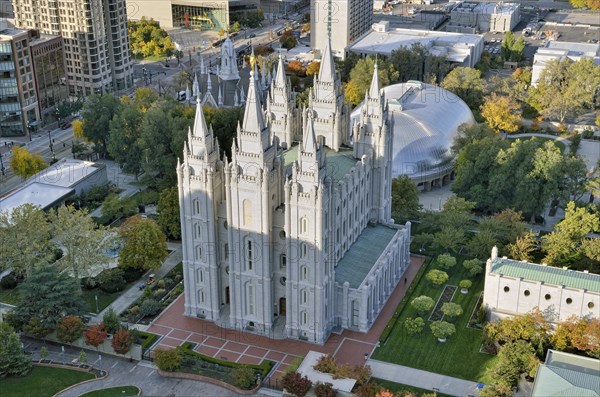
(264, 367)
(147, 339)
(390, 325)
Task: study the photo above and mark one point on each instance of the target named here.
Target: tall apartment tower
(343, 21)
(95, 40)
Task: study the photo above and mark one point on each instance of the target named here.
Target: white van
(181, 96)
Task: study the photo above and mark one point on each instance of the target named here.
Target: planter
(442, 340)
(464, 291)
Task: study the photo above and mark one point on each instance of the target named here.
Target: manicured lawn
(42, 382)
(104, 298)
(114, 392)
(459, 356)
(396, 387)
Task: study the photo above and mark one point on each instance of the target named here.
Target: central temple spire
(327, 68)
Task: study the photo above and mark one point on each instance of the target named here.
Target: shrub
(10, 281)
(414, 325)
(473, 266)
(111, 321)
(159, 293)
(69, 329)
(82, 357)
(422, 304)
(95, 335)
(147, 292)
(466, 284)
(437, 277)
(451, 309)
(446, 261)
(149, 307)
(243, 377)
(160, 284)
(122, 341)
(326, 364)
(296, 384)
(135, 310)
(131, 274)
(89, 283)
(112, 280)
(168, 360)
(442, 329)
(325, 390)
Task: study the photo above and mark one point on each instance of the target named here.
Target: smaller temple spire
(220, 97)
(200, 129)
(327, 68)
(279, 76)
(374, 91)
(196, 86)
(202, 67)
(309, 140)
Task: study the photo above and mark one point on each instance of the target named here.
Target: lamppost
(97, 311)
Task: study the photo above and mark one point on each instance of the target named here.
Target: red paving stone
(206, 350)
(349, 351)
(288, 359)
(258, 352)
(229, 356)
(244, 359)
(218, 343)
(274, 356)
(170, 342)
(178, 334)
(282, 367)
(196, 338)
(236, 347)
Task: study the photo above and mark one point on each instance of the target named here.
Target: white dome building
(426, 118)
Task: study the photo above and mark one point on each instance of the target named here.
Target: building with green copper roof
(567, 375)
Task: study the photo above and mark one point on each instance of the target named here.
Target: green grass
(397, 387)
(114, 392)
(104, 298)
(42, 382)
(459, 356)
(10, 296)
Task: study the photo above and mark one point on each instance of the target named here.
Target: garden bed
(447, 295)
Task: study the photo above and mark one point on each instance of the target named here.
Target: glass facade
(203, 18)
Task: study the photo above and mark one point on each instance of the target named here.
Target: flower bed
(446, 296)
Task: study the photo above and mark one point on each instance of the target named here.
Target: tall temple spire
(253, 115)
(309, 140)
(327, 68)
(280, 75)
(200, 128)
(374, 91)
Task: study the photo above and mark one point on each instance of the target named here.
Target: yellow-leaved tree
(25, 164)
(501, 113)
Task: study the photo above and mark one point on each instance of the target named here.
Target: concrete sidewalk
(423, 379)
(128, 297)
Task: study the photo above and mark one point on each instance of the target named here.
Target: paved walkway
(564, 140)
(423, 379)
(124, 373)
(243, 347)
(133, 293)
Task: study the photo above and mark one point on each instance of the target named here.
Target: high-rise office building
(343, 21)
(95, 40)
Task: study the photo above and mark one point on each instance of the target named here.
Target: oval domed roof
(426, 119)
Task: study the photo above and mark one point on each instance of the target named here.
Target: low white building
(562, 50)
(52, 186)
(459, 48)
(513, 287)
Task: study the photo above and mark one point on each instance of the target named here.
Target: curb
(75, 369)
(183, 375)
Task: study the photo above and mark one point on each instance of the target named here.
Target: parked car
(151, 279)
(65, 126)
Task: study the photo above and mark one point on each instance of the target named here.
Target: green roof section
(567, 375)
(363, 254)
(337, 164)
(547, 274)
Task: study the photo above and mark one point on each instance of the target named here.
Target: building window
(226, 249)
(282, 280)
(590, 305)
(249, 299)
(304, 299)
(282, 260)
(569, 301)
(196, 207)
(282, 235)
(198, 252)
(247, 212)
(249, 254)
(303, 226)
(506, 289)
(198, 230)
(200, 275)
(547, 297)
(201, 296)
(304, 273)
(225, 224)
(303, 250)
(304, 318)
(526, 293)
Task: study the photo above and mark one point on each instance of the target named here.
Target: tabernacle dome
(426, 119)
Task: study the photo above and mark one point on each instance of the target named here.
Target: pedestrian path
(133, 293)
(423, 379)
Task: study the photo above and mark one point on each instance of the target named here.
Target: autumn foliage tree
(25, 164)
(296, 67)
(296, 384)
(69, 329)
(95, 335)
(578, 334)
(313, 68)
(122, 341)
(501, 113)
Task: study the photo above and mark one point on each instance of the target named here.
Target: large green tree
(168, 212)
(405, 199)
(145, 245)
(97, 113)
(47, 296)
(13, 360)
(362, 75)
(564, 243)
(416, 63)
(85, 243)
(467, 84)
(123, 142)
(24, 238)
